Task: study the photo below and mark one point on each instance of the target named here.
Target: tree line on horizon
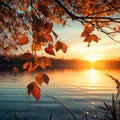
(18, 61)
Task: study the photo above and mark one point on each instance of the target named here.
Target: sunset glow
(93, 58)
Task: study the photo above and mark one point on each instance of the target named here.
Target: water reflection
(79, 89)
(93, 76)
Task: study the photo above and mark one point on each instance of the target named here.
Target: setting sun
(93, 58)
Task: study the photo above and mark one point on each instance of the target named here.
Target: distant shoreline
(7, 65)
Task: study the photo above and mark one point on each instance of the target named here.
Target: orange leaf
(40, 39)
(34, 90)
(64, 47)
(31, 67)
(47, 28)
(49, 51)
(84, 34)
(26, 65)
(44, 10)
(88, 39)
(22, 39)
(36, 46)
(43, 62)
(39, 78)
(45, 78)
(27, 56)
(55, 35)
(47, 61)
(94, 38)
(15, 70)
(58, 45)
(48, 37)
(38, 23)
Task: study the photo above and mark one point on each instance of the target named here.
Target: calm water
(79, 90)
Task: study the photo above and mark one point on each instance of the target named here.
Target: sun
(93, 58)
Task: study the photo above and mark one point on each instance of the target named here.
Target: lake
(80, 90)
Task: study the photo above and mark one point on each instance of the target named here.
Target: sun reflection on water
(93, 76)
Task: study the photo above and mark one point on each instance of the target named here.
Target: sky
(77, 49)
(105, 49)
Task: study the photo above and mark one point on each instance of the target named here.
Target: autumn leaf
(31, 67)
(45, 78)
(34, 90)
(36, 46)
(61, 45)
(47, 61)
(22, 39)
(47, 28)
(55, 35)
(48, 37)
(26, 65)
(94, 38)
(64, 47)
(50, 50)
(41, 38)
(27, 56)
(88, 39)
(44, 10)
(84, 34)
(42, 62)
(58, 45)
(15, 70)
(40, 78)
(37, 22)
